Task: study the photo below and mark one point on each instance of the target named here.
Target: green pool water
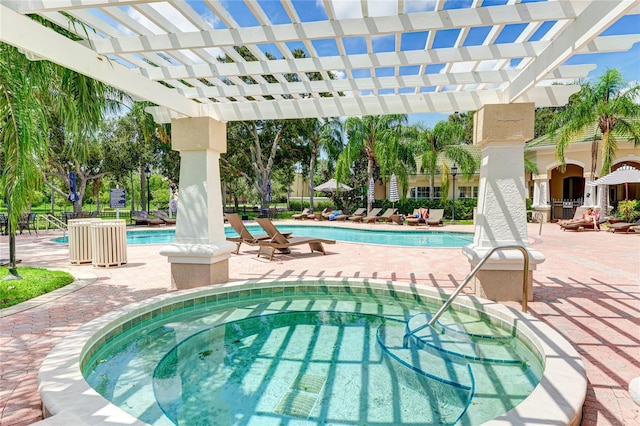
(311, 359)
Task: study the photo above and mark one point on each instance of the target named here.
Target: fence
(564, 209)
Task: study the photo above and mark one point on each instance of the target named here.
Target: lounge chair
(163, 216)
(244, 236)
(358, 215)
(301, 216)
(417, 217)
(143, 218)
(372, 216)
(280, 242)
(386, 216)
(625, 227)
(318, 216)
(435, 217)
(335, 215)
(578, 223)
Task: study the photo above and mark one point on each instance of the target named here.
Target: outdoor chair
(372, 216)
(435, 217)
(244, 236)
(386, 216)
(280, 242)
(358, 215)
(27, 222)
(4, 224)
(417, 217)
(143, 218)
(301, 216)
(163, 216)
(624, 227)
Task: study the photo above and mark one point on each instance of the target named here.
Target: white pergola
(374, 57)
(360, 57)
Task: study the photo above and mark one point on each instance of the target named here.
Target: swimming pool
(312, 352)
(413, 238)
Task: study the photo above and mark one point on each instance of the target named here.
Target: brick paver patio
(588, 289)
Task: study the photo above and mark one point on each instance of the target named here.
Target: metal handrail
(525, 286)
(54, 221)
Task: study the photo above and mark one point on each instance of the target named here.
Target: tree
(24, 145)
(379, 137)
(443, 143)
(256, 147)
(464, 119)
(609, 105)
(325, 136)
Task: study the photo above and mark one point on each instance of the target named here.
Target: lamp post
(147, 174)
(454, 172)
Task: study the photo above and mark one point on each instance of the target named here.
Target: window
(423, 192)
(467, 192)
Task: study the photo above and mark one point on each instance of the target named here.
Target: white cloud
(339, 74)
(344, 9)
(419, 5)
(172, 15)
(142, 20)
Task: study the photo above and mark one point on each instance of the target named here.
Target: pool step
(428, 364)
(451, 341)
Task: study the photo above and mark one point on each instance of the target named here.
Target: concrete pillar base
(198, 265)
(500, 277)
(189, 275)
(501, 285)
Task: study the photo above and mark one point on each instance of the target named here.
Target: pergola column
(589, 191)
(540, 200)
(200, 253)
(501, 131)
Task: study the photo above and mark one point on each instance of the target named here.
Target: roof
(587, 136)
(359, 57)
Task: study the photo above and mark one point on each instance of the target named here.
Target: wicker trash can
(109, 243)
(80, 240)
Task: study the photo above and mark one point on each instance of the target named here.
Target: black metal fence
(564, 209)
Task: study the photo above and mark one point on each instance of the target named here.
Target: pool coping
(66, 396)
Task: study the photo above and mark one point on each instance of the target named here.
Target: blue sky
(313, 10)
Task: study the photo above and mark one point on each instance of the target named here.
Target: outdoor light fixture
(454, 172)
(147, 174)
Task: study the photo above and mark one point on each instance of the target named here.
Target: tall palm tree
(609, 105)
(36, 96)
(22, 134)
(441, 143)
(378, 136)
(323, 135)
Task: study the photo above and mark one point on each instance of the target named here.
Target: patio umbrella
(393, 190)
(73, 196)
(332, 186)
(372, 189)
(269, 192)
(623, 175)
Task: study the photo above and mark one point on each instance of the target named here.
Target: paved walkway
(588, 289)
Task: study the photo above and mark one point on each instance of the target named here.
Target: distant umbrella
(393, 190)
(372, 189)
(332, 186)
(73, 196)
(269, 191)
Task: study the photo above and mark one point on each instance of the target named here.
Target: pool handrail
(525, 283)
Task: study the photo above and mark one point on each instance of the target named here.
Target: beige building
(557, 193)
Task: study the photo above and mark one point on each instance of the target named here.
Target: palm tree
(38, 99)
(443, 143)
(324, 135)
(22, 133)
(611, 106)
(379, 137)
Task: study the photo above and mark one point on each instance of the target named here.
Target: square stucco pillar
(501, 131)
(200, 253)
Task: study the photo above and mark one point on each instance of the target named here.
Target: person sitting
(588, 217)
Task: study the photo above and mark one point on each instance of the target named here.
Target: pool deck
(588, 289)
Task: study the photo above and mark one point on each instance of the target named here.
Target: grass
(35, 282)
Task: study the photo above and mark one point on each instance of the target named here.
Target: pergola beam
(598, 16)
(424, 21)
(31, 37)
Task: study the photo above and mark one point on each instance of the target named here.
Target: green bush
(628, 210)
